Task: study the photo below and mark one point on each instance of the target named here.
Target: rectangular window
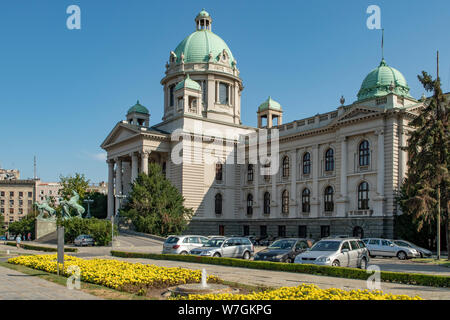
(324, 231)
(11, 210)
(11, 194)
(282, 231)
(223, 93)
(20, 194)
(30, 194)
(302, 231)
(2, 193)
(263, 231)
(246, 230)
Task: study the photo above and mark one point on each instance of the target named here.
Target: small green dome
(188, 83)
(203, 14)
(198, 45)
(138, 108)
(382, 81)
(269, 104)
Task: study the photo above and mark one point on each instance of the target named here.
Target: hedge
(340, 272)
(40, 248)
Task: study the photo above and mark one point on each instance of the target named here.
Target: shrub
(99, 229)
(40, 248)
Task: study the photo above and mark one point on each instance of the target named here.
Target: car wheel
(402, 255)
(183, 252)
(246, 255)
(363, 264)
(289, 260)
(336, 263)
(216, 255)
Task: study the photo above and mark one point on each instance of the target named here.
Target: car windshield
(172, 240)
(214, 243)
(326, 246)
(282, 244)
(402, 244)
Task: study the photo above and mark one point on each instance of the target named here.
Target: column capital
(379, 132)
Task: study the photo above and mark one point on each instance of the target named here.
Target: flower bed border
(40, 248)
(340, 272)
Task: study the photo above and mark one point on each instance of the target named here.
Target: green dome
(138, 108)
(197, 46)
(203, 14)
(381, 81)
(269, 104)
(188, 83)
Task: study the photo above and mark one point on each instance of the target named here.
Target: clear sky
(62, 91)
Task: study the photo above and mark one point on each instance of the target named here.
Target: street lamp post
(120, 197)
(88, 201)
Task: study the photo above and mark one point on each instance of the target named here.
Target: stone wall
(44, 227)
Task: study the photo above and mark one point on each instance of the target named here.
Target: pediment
(119, 133)
(356, 113)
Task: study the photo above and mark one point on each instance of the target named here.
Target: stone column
(134, 167)
(402, 155)
(378, 203)
(118, 188)
(110, 188)
(315, 201)
(274, 195)
(343, 200)
(144, 162)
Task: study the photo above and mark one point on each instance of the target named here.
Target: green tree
(425, 194)
(155, 206)
(2, 225)
(100, 205)
(23, 226)
(77, 183)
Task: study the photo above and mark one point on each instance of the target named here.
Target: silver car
(84, 240)
(422, 251)
(386, 248)
(236, 247)
(337, 252)
(182, 244)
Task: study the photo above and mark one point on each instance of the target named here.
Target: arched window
(285, 202)
(266, 203)
(250, 172)
(306, 207)
(358, 232)
(307, 163)
(363, 196)
(219, 171)
(286, 167)
(249, 204)
(329, 160)
(218, 203)
(364, 153)
(328, 199)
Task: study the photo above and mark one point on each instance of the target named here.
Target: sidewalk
(18, 286)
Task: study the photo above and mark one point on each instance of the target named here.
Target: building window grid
(364, 154)
(307, 163)
(329, 160)
(250, 173)
(328, 199)
(363, 196)
(285, 167)
(218, 204)
(306, 204)
(249, 204)
(267, 203)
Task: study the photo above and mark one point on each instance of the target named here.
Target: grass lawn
(441, 262)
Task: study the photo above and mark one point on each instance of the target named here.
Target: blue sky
(62, 91)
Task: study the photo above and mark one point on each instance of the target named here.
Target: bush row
(99, 229)
(40, 248)
(341, 272)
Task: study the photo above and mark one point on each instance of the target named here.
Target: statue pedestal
(44, 227)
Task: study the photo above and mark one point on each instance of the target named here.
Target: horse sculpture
(45, 207)
(71, 203)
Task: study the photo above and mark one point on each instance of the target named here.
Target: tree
(425, 193)
(2, 225)
(77, 183)
(155, 206)
(100, 205)
(23, 226)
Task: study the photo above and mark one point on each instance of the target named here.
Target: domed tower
(204, 58)
(385, 86)
(268, 111)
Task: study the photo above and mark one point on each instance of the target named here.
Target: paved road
(280, 279)
(18, 286)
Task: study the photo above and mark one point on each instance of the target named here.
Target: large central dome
(198, 45)
(203, 45)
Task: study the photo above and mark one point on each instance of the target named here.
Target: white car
(337, 252)
(182, 244)
(387, 248)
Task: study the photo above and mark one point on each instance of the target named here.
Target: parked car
(236, 247)
(284, 250)
(338, 252)
(386, 248)
(183, 244)
(422, 251)
(2, 238)
(84, 240)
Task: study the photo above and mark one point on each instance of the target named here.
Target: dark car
(284, 250)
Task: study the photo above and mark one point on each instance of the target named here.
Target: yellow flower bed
(303, 292)
(115, 274)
